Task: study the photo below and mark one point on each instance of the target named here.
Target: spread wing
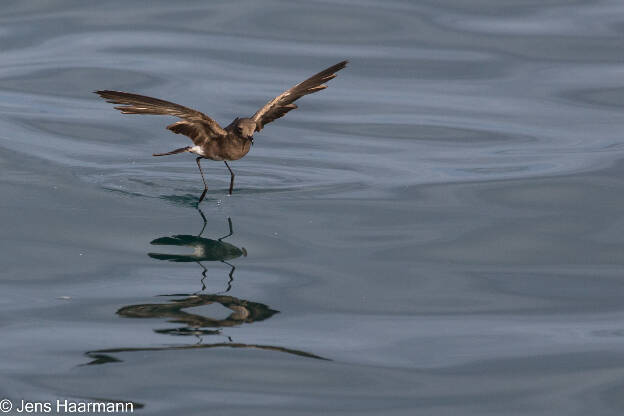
(196, 125)
(283, 103)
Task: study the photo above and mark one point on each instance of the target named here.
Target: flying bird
(210, 140)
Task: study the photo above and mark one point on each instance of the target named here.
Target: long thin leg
(203, 278)
(203, 218)
(231, 275)
(201, 198)
(231, 232)
(231, 177)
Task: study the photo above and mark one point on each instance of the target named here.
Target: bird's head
(245, 127)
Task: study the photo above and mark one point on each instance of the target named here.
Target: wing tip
(109, 96)
(340, 65)
(330, 73)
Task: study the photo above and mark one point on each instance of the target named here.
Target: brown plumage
(210, 140)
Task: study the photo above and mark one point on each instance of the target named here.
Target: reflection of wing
(205, 249)
(179, 258)
(196, 125)
(244, 311)
(179, 240)
(283, 103)
(100, 353)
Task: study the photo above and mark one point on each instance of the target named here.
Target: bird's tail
(173, 152)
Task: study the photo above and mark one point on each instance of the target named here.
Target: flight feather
(195, 124)
(283, 103)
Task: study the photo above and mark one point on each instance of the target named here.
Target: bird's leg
(231, 177)
(231, 275)
(203, 218)
(231, 232)
(201, 198)
(203, 278)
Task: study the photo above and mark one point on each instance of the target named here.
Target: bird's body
(210, 140)
(228, 147)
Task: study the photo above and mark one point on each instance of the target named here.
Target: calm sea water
(440, 232)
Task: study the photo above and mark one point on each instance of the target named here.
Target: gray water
(439, 232)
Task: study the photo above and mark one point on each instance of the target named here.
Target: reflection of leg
(201, 198)
(203, 278)
(203, 218)
(231, 232)
(231, 177)
(231, 275)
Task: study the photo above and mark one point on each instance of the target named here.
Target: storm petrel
(210, 140)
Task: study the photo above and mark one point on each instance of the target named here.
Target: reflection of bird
(204, 249)
(210, 140)
(243, 311)
(103, 357)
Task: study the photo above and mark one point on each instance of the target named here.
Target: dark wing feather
(283, 103)
(195, 124)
